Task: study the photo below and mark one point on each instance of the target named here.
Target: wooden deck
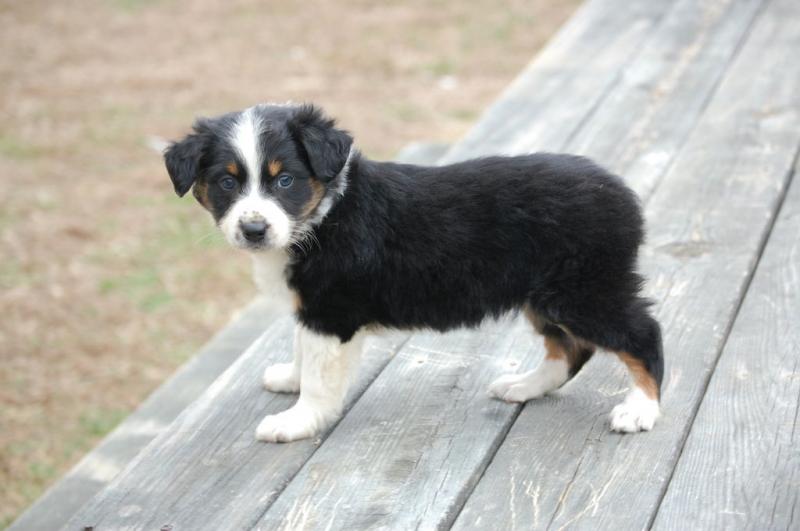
(697, 104)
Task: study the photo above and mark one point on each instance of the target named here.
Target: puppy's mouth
(254, 245)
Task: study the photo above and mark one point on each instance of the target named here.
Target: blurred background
(108, 282)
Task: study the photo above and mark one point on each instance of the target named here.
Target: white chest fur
(268, 273)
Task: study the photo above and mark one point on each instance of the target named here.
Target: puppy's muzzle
(254, 231)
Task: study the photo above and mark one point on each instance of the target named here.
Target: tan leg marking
(641, 377)
(570, 348)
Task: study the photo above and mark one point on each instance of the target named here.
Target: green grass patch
(441, 67)
(132, 5)
(17, 149)
(98, 422)
(144, 287)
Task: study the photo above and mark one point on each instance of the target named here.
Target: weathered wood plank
(406, 455)
(114, 452)
(642, 117)
(707, 222)
(610, 25)
(348, 475)
(740, 468)
(647, 117)
(207, 471)
(560, 88)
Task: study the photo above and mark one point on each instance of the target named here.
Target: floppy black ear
(183, 161)
(325, 146)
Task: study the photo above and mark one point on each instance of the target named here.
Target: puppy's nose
(254, 231)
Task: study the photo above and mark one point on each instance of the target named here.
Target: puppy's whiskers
(304, 238)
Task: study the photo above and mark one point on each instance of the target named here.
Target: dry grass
(107, 281)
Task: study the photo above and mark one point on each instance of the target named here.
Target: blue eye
(285, 180)
(227, 183)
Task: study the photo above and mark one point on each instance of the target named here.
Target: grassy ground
(108, 281)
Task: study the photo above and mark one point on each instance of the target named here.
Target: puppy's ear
(183, 159)
(325, 146)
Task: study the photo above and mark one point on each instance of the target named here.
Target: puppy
(350, 244)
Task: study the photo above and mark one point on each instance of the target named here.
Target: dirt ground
(107, 281)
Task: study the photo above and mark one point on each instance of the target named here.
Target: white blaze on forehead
(245, 138)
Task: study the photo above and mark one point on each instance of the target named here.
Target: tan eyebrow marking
(232, 168)
(274, 167)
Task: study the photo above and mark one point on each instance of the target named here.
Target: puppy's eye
(285, 180)
(227, 183)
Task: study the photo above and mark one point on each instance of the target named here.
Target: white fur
(327, 369)
(285, 377)
(245, 139)
(330, 197)
(269, 274)
(282, 378)
(549, 375)
(253, 205)
(637, 412)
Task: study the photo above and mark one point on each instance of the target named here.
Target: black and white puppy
(349, 244)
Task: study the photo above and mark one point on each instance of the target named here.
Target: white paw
(550, 375)
(297, 422)
(513, 388)
(637, 412)
(281, 378)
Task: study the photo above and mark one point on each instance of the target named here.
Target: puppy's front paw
(281, 378)
(636, 413)
(550, 375)
(501, 386)
(297, 422)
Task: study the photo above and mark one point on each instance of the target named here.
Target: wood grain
(115, 451)
(740, 468)
(645, 120)
(207, 471)
(562, 86)
(559, 466)
(409, 452)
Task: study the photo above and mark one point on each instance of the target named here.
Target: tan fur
(232, 168)
(274, 167)
(317, 193)
(555, 351)
(569, 348)
(200, 192)
(641, 377)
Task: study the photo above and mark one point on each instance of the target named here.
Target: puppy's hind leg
(285, 377)
(645, 361)
(327, 369)
(565, 356)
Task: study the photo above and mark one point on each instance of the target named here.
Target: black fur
(323, 146)
(443, 247)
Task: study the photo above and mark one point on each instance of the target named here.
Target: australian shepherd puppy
(349, 244)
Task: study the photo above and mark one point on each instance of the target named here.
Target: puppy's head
(267, 174)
